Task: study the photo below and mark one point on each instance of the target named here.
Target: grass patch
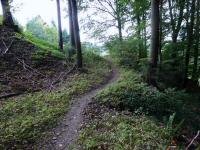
(1, 19)
(45, 48)
(25, 119)
(116, 131)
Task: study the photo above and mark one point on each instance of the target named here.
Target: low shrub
(126, 52)
(131, 93)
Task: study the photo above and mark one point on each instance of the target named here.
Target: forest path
(67, 131)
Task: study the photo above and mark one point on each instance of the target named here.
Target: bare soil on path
(65, 134)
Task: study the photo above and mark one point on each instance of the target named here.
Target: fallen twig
(17, 94)
(198, 133)
(25, 65)
(61, 77)
(10, 95)
(6, 47)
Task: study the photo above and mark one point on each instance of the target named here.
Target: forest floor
(38, 87)
(102, 107)
(64, 135)
(117, 119)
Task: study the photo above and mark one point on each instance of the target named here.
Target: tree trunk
(71, 50)
(145, 36)
(161, 33)
(155, 32)
(190, 41)
(196, 49)
(154, 41)
(120, 28)
(76, 33)
(139, 35)
(59, 26)
(7, 16)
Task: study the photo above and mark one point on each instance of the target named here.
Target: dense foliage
(38, 28)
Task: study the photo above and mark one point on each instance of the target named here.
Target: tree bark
(118, 18)
(7, 16)
(154, 41)
(72, 47)
(76, 33)
(190, 41)
(139, 35)
(161, 33)
(196, 48)
(145, 37)
(120, 28)
(154, 32)
(59, 26)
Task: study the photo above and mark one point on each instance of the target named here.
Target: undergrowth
(116, 131)
(157, 117)
(130, 92)
(25, 119)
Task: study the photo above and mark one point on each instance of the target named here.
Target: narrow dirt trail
(68, 129)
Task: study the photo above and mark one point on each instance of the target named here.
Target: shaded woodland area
(136, 87)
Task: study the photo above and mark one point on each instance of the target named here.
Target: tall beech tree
(196, 48)
(190, 34)
(71, 29)
(76, 34)
(154, 41)
(7, 15)
(59, 25)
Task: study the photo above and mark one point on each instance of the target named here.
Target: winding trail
(67, 131)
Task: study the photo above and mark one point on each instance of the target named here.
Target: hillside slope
(26, 67)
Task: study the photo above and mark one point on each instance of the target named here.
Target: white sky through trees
(25, 10)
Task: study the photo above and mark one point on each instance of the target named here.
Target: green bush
(131, 93)
(126, 52)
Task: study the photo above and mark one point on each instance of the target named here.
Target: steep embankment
(25, 66)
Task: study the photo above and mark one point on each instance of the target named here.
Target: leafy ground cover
(26, 118)
(164, 117)
(107, 128)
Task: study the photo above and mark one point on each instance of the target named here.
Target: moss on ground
(26, 118)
